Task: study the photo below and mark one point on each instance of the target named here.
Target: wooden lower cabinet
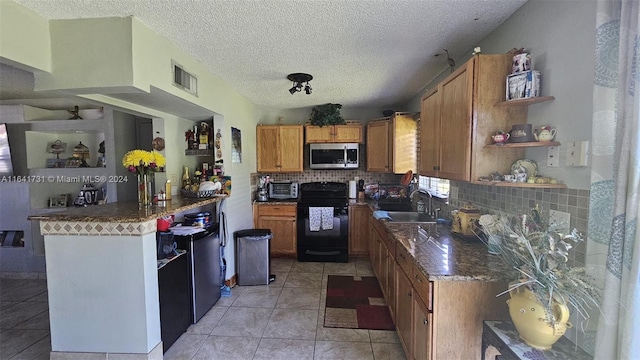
(281, 220)
(435, 320)
(359, 230)
(404, 310)
(421, 328)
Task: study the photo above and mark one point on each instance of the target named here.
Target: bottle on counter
(167, 189)
(420, 206)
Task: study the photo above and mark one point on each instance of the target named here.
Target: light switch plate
(562, 219)
(577, 153)
(553, 153)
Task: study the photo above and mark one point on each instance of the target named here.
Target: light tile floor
(283, 320)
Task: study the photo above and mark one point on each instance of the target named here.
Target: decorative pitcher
(530, 319)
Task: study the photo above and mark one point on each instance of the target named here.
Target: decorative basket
(198, 194)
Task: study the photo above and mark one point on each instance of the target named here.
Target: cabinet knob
(425, 321)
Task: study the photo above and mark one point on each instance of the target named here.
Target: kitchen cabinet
(459, 117)
(391, 144)
(359, 230)
(349, 133)
(421, 328)
(279, 148)
(281, 220)
(404, 310)
(434, 319)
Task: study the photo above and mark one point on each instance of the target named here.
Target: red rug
(356, 302)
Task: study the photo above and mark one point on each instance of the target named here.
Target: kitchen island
(102, 277)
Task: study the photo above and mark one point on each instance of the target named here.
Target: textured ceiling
(361, 53)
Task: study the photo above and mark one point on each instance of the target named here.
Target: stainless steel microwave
(334, 156)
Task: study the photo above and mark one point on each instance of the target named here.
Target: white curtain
(613, 238)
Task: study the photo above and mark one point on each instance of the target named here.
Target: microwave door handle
(344, 153)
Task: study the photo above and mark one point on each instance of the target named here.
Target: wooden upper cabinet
(349, 133)
(279, 148)
(378, 149)
(459, 117)
(391, 144)
(430, 133)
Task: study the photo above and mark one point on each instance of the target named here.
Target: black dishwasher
(205, 277)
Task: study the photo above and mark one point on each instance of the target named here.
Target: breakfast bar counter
(102, 277)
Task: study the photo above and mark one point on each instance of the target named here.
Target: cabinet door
(283, 230)
(267, 144)
(378, 149)
(403, 137)
(317, 134)
(358, 230)
(421, 348)
(404, 304)
(429, 133)
(455, 124)
(391, 284)
(291, 144)
(347, 133)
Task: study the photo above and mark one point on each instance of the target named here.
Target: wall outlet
(553, 153)
(561, 219)
(173, 178)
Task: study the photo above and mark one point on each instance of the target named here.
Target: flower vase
(145, 192)
(529, 317)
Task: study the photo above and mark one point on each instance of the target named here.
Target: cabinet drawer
(423, 286)
(277, 210)
(404, 260)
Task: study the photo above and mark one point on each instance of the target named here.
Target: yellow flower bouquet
(143, 162)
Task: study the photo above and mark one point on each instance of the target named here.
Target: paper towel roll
(352, 189)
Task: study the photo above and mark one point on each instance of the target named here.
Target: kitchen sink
(411, 217)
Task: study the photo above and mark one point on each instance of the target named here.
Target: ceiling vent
(183, 79)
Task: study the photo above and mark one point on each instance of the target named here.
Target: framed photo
(73, 162)
(56, 163)
(58, 201)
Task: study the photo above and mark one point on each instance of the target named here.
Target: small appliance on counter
(262, 192)
(283, 190)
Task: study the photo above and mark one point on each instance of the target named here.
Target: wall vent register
(183, 79)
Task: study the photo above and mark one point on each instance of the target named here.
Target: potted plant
(545, 286)
(327, 114)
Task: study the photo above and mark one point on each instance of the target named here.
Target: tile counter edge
(119, 218)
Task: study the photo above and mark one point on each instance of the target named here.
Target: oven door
(328, 245)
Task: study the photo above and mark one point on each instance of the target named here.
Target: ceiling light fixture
(298, 80)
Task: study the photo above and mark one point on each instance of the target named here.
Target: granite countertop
(442, 256)
(126, 211)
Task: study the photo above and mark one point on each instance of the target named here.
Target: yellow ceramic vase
(530, 319)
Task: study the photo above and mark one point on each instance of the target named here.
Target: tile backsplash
(495, 199)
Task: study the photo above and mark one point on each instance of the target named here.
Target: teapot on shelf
(546, 133)
(501, 137)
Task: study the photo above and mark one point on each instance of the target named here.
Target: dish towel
(315, 218)
(381, 214)
(327, 218)
(320, 218)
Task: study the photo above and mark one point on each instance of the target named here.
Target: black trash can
(253, 261)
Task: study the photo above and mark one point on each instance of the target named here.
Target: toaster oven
(283, 190)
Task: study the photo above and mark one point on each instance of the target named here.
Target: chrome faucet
(424, 192)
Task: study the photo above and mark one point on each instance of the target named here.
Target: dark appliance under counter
(173, 292)
(205, 274)
(328, 242)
